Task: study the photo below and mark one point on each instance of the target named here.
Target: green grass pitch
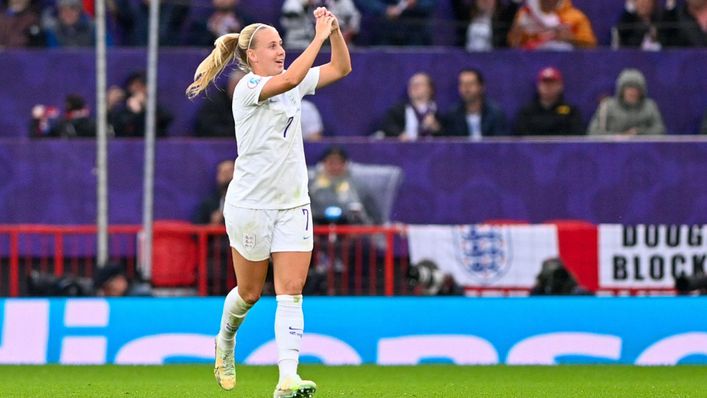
(176, 381)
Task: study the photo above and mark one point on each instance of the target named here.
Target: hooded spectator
(630, 111)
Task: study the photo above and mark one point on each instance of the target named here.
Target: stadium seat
(174, 255)
(381, 181)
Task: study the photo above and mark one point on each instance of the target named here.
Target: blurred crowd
(478, 25)
(629, 112)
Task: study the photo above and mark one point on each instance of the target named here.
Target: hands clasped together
(326, 23)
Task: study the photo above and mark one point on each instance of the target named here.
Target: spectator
(211, 209)
(685, 26)
(298, 20)
(551, 25)
(554, 279)
(215, 117)
(416, 116)
(112, 281)
(210, 212)
(630, 112)
(77, 121)
(484, 24)
(19, 25)
(400, 22)
(226, 17)
(638, 26)
(70, 27)
(475, 116)
(128, 119)
(115, 98)
(312, 127)
(548, 113)
(335, 196)
(132, 17)
(47, 121)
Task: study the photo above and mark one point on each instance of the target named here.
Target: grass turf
(360, 382)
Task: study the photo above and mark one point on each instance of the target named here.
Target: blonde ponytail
(227, 48)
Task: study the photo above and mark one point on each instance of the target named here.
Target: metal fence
(347, 260)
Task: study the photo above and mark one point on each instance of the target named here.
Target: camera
(687, 284)
(426, 278)
(43, 284)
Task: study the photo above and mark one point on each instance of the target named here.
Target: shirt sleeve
(309, 83)
(247, 92)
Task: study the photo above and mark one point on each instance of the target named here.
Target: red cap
(550, 74)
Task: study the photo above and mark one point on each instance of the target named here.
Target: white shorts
(257, 233)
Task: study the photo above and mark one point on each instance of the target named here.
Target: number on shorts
(306, 217)
(289, 122)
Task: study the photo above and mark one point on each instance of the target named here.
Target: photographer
(335, 196)
(426, 279)
(111, 281)
(555, 280)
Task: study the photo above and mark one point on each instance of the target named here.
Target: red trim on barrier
(201, 277)
(14, 264)
(58, 254)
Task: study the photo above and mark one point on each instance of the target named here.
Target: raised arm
(340, 63)
(300, 66)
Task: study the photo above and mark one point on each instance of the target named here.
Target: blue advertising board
(346, 330)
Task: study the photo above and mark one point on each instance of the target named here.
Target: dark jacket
(215, 117)
(500, 22)
(81, 34)
(199, 34)
(493, 121)
(79, 127)
(681, 29)
(394, 122)
(207, 207)
(21, 29)
(632, 29)
(130, 124)
(559, 119)
(133, 19)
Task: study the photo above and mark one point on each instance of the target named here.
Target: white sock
(234, 311)
(289, 327)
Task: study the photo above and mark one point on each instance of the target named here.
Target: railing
(348, 260)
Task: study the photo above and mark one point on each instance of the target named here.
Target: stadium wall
(626, 182)
(549, 331)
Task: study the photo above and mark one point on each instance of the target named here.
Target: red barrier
(347, 259)
(197, 257)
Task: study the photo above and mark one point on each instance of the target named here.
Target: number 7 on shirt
(289, 122)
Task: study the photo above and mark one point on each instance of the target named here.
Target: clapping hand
(322, 12)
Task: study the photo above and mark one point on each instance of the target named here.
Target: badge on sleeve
(253, 82)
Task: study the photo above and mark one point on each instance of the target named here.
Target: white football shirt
(270, 171)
